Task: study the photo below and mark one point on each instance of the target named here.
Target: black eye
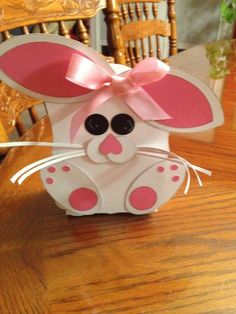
(96, 124)
(122, 124)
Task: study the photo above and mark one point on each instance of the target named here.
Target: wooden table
(179, 260)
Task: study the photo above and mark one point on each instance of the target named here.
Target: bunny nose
(110, 145)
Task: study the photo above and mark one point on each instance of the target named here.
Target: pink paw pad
(174, 167)
(160, 169)
(49, 180)
(143, 198)
(175, 178)
(83, 199)
(52, 169)
(66, 168)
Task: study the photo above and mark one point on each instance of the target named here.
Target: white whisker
(158, 155)
(45, 144)
(193, 167)
(200, 169)
(155, 155)
(38, 162)
(49, 163)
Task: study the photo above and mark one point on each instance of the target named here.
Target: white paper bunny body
(123, 164)
(111, 176)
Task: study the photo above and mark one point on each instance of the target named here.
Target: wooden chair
(134, 29)
(28, 16)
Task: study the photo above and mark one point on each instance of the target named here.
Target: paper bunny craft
(110, 124)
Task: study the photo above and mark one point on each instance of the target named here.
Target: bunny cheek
(111, 148)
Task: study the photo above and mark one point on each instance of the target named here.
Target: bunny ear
(36, 65)
(190, 102)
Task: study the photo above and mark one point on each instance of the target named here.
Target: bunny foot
(72, 189)
(154, 187)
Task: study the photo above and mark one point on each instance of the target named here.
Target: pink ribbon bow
(128, 86)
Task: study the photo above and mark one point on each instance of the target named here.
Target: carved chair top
(15, 13)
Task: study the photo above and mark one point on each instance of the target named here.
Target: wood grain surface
(181, 260)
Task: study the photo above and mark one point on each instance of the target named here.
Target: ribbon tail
(86, 110)
(145, 106)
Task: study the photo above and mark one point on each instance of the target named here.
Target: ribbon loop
(86, 73)
(148, 71)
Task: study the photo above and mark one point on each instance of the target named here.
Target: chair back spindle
(135, 30)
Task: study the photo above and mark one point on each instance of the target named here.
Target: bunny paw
(154, 186)
(72, 189)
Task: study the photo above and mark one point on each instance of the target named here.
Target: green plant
(228, 10)
(218, 55)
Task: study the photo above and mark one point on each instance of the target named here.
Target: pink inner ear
(41, 67)
(182, 100)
